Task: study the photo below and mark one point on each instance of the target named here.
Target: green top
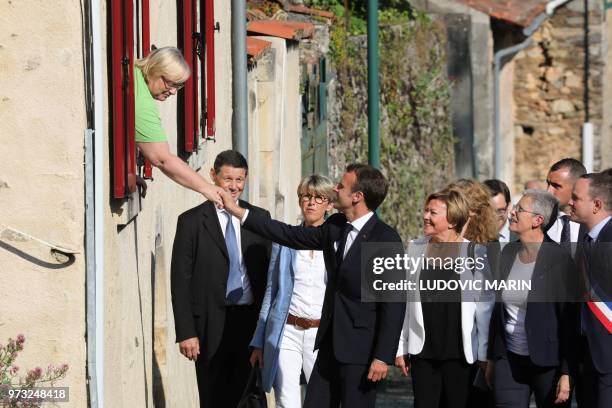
(148, 123)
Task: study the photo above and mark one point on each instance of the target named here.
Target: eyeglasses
(172, 85)
(501, 212)
(520, 209)
(317, 198)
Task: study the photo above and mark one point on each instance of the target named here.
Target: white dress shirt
(504, 234)
(357, 226)
(247, 294)
(554, 232)
(310, 280)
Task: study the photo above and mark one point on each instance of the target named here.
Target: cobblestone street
(395, 392)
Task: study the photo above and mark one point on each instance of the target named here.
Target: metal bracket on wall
(60, 253)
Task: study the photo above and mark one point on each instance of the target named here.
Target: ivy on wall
(416, 133)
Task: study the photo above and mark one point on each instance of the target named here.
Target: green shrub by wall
(416, 134)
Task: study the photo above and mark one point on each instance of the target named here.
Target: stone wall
(549, 92)
(416, 150)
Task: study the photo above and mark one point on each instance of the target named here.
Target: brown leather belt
(301, 322)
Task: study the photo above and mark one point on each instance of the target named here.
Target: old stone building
(550, 94)
(522, 97)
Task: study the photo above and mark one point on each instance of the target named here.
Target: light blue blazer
(274, 311)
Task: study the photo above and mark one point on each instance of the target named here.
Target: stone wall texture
(549, 92)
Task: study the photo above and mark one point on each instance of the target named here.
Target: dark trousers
(478, 397)
(222, 379)
(593, 389)
(516, 377)
(333, 384)
(440, 382)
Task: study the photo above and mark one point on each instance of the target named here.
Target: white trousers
(296, 354)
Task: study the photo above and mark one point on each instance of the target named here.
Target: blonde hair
(320, 185)
(482, 225)
(457, 207)
(167, 62)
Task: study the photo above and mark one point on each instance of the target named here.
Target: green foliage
(416, 134)
(389, 12)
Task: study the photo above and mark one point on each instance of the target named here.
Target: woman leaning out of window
(157, 77)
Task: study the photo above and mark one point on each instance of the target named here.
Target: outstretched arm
(158, 153)
(279, 232)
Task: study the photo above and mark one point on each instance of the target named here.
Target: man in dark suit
(218, 281)
(591, 205)
(560, 180)
(356, 340)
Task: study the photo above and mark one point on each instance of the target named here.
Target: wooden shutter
(122, 98)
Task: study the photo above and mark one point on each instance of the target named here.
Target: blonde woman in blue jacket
(283, 342)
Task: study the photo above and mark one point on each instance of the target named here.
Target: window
(198, 112)
(208, 72)
(188, 99)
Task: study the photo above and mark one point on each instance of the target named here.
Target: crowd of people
(295, 309)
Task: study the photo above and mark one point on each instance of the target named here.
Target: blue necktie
(234, 280)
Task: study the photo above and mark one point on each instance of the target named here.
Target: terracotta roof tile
(290, 30)
(518, 12)
(256, 47)
(302, 9)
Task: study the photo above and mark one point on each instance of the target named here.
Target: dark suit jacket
(600, 268)
(360, 331)
(551, 337)
(200, 266)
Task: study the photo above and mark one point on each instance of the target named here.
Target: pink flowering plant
(36, 377)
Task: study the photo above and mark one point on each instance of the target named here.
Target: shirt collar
(222, 210)
(361, 221)
(594, 233)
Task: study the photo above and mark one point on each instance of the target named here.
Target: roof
(256, 47)
(290, 30)
(517, 12)
(302, 9)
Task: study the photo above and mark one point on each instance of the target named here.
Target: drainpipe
(373, 86)
(95, 220)
(587, 127)
(240, 140)
(497, 62)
